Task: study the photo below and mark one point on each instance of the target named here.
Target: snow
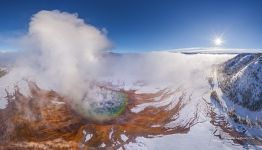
(87, 136)
(179, 73)
(200, 137)
(242, 80)
(124, 137)
(247, 79)
(57, 102)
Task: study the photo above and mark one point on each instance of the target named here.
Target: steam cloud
(59, 52)
(67, 49)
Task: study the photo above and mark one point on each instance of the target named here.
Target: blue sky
(145, 25)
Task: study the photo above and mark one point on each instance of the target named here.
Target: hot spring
(102, 104)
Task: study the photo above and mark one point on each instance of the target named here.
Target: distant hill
(215, 50)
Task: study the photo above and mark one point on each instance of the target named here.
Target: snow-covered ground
(184, 75)
(199, 137)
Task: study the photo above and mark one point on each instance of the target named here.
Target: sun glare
(218, 41)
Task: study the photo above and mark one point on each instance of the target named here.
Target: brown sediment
(45, 120)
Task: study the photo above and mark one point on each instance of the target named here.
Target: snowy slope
(237, 95)
(241, 80)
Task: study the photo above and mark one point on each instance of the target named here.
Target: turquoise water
(104, 105)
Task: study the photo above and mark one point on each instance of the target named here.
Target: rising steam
(64, 50)
(59, 52)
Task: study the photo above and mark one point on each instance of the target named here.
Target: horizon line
(185, 50)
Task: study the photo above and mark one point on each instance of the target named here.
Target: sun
(218, 41)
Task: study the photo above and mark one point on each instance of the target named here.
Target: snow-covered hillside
(241, 79)
(236, 97)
